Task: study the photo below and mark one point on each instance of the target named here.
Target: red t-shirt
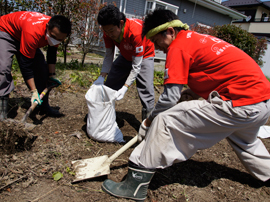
(29, 28)
(209, 64)
(132, 43)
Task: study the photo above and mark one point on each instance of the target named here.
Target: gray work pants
(120, 71)
(9, 48)
(177, 133)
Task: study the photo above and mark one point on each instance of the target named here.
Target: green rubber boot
(3, 107)
(133, 187)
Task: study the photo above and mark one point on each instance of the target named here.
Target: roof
(237, 3)
(217, 7)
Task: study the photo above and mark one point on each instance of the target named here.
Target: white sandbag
(101, 120)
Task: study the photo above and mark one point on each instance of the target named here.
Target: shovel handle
(122, 149)
(33, 106)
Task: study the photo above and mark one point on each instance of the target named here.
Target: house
(192, 12)
(257, 22)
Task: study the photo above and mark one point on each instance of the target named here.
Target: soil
(29, 158)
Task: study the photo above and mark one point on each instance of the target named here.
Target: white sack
(101, 120)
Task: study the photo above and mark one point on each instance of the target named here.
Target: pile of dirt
(29, 159)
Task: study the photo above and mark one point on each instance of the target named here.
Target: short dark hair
(110, 15)
(61, 22)
(158, 17)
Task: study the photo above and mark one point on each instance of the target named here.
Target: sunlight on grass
(73, 71)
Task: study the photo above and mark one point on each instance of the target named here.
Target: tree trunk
(83, 58)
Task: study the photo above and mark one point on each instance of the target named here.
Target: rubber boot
(146, 113)
(133, 187)
(3, 107)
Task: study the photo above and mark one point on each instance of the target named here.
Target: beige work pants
(176, 134)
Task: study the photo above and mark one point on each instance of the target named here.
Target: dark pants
(120, 71)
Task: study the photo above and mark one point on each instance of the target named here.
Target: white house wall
(266, 58)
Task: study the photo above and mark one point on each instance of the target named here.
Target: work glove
(120, 93)
(55, 81)
(35, 97)
(142, 131)
(99, 81)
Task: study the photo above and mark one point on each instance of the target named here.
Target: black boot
(49, 111)
(45, 108)
(3, 107)
(133, 187)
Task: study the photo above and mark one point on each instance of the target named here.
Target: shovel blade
(27, 126)
(91, 168)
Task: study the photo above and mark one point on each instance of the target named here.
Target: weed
(61, 53)
(158, 77)
(81, 75)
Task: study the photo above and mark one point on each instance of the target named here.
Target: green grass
(84, 76)
(61, 53)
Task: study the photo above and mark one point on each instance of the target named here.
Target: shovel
(98, 166)
(30, 126)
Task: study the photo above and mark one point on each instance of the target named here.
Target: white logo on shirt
(218, 46)
(166, 75)
(189, 35)
(139, 49)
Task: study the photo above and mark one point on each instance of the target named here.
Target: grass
(84, 76)
(73, 72)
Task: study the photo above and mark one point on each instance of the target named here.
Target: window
(151, 5)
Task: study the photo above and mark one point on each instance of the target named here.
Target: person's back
(215, 65)
(22, 22)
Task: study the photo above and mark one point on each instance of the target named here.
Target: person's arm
(107, 62)
(26, 70)
(51, 57)
(169, 98)
(106, 67)
(51, 61)
(28, 75)
(188, 94)
(136, 68)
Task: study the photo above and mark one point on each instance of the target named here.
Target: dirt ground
(28, 159)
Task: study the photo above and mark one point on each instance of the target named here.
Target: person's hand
(142, 131)
(99, 81)
(187, 95)
(35, 97)
(120, 93)
(55, 81)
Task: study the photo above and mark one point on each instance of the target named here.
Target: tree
(87, 28)
(6, 7)
(67, 8)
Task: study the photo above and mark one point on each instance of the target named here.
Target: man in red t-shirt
(23, 34)
(136, 59)
(235, 104)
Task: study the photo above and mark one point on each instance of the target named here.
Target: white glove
(99, 81)
(142, 131)
(120, 93)
(35, 97)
